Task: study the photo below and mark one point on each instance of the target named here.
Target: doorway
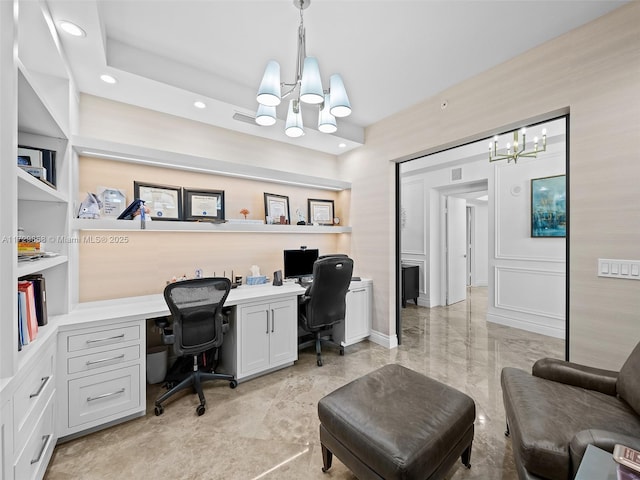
(521, 272)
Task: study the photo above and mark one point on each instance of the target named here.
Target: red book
(32, 319)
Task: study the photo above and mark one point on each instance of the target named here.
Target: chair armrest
(602, 439)
(591, 378)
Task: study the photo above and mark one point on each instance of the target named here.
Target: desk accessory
(277, 278)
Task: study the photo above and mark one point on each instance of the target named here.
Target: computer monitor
(299, 263)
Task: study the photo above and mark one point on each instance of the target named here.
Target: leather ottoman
(395, 423)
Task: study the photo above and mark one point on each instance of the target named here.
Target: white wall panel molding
(532, 291)
(413, 224)
(556, 331)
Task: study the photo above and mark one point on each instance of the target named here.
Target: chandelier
(518, 149)
(306, 88)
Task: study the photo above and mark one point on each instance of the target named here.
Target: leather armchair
(561, 407)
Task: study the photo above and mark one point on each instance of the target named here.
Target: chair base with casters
(194, 380)
(320, 338)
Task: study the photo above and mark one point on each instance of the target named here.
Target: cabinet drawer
(104, 394)
(34, 458)
(101, 338)
(107, 358)
(30, 398)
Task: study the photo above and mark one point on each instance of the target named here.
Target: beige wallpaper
(140, 263)
(594, 74)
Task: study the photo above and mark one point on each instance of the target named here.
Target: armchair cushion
(603, 439)
(591, 378)
(629, 380)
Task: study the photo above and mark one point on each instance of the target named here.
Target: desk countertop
(149, 306)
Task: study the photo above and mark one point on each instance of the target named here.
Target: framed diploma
(164, 202)
(276, 208)
(204, 205)
(320, 211)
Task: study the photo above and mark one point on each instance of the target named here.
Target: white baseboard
(548, 330)
(387, 341)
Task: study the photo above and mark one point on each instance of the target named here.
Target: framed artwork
(203, 205)
(164, 202)
(276, 208)
(320, 211)
(549, 206)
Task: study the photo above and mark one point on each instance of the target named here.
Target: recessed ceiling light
(342, 145)
(199, 104)
(72, 29)
(108, 79)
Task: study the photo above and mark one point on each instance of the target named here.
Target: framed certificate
(204, 205)
(164, 202)
(276, 208)
(320, 211)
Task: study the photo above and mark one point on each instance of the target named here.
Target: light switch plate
(616, 268)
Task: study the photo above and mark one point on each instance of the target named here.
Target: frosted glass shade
(294, 127)
(269, 91)
(266, 116)
(311, 84)
(340, 106)
(326, 121)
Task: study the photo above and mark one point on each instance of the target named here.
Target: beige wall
(594, 74)
(140, 263)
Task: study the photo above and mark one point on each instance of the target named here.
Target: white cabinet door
(283, 342)
(253, 342)
(358, 316)
(6, 440)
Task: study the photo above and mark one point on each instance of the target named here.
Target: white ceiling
(391, 54)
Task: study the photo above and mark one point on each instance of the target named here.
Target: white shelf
(167, 226)
(31, 188)
(35, 266)
(97, 148)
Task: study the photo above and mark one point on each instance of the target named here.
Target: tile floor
(267, 428)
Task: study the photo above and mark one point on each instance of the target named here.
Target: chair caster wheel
(200, 410)
(158, 410)
(319, 362)
(233, 384)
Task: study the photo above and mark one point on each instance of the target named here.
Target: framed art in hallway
(549, 206)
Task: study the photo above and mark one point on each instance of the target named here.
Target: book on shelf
(39, 162)
(23, 333)
(40, 291)
(30, 308)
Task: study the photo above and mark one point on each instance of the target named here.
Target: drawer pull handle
(45, 442)
(359, 290)
(105, 339)
(105, 395)
(102, 360)
(43, 383)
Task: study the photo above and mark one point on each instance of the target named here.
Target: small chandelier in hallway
(518, 149)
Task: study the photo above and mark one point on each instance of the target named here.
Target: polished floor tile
(267, 428)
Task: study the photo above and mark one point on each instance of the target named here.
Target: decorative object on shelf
(113, 201)
(307, 88)
(301, 219)
(39, 162)
(90, 207)
(164, 201)
(518, 149)
(276, 207)
(320, 211)
(244, 212)
(549, 206)
(204, 205)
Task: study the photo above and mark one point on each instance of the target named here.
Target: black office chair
(323, 304)
(198, 327)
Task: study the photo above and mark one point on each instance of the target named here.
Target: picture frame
(320, 211)
(164, 201)
(276, 209)
(203, 205)
(549, 206)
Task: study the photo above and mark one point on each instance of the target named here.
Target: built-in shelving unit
(164, 226)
